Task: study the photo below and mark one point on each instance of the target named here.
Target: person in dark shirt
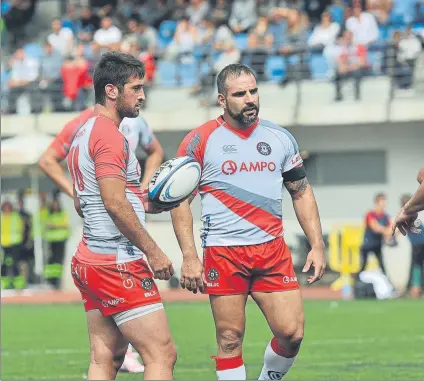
(417, 266)
(377, 230)
(26, 252)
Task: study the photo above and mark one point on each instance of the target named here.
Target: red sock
(230, 368)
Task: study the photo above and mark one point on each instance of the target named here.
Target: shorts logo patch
(264, 148)
(147, 284)
(213, 274)
(289, 279)
(273, 375)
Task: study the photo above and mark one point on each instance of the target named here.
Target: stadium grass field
(350, 340)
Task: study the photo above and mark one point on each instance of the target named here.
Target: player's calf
(229, 362)
(281, 353)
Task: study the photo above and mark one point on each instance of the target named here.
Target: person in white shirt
(24, 73)
(325, 33)
(108, 34)
(197, 11)
(363, 26)
(62, 39)
(243, 15)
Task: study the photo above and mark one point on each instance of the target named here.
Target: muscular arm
(50, 165)
(192, 268)
(112, 191)
(182, 221)
(153, 162)
(416, 203)
(306, 209)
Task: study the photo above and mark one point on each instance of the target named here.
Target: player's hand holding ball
(316, 258)
(192, 274)
(172, 183)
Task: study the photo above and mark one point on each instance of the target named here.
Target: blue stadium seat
(34, 50)
(319, 66)
(418, 28)
(275, 68)
(241, 40)
(384, 32)
(166, 31)
(167, 73)
(189, 73)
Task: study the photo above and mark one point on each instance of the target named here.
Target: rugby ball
(174, 181)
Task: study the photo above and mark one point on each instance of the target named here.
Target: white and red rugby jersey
(100, 150)
(241, 186)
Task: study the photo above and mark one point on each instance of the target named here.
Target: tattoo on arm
(296, 188)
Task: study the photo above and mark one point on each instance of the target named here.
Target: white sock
(275, 364)
(231, 368)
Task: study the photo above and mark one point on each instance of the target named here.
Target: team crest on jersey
(213, 274)
(147, 284)
(273, 375)
(264, 148)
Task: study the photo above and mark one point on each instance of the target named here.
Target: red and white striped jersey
(241, 186)
(100, 150)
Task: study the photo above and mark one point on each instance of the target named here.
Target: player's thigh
(283, 311)
(229, 313)
(149, 334)
(106, 341)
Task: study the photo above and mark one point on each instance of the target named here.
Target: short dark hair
(404, 199)
(115, 68)
(233, 70)
(379, 196)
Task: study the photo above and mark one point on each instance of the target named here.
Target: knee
(291, 338)
(230, 340)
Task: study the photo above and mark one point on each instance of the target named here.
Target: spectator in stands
(220, 14)
(314, 9)
(76, 80)
(108, 34)
(363, 26)
(229, 55)
(223, 38)
(243, 15)
(88, 24)
(153, 12)
(93, 53)
(50, 81)
(18, 15)
(183, 42)
(178, 10)
(294, 46)
(104, 7)
(197, 11)
(325, 33)
(148, 38)
(352, 62)
(380, 9)
(23, 77)
(62, 39)
(408, 51)
(205, 34)
(260, 43)
(265, 7)
(69, 19)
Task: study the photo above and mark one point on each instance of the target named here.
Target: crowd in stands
(187, 42)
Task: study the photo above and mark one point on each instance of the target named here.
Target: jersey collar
(244, 134)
